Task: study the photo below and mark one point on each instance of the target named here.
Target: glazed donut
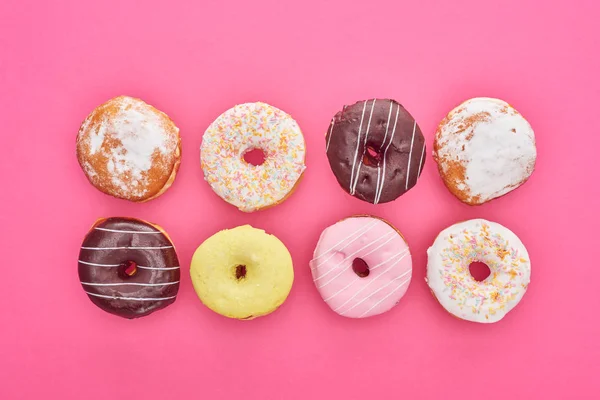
(239, 130)
(242, 273)
(375, 149)
(361, 266)
(457, 291)
(484, 149)
(128, 267)
(129, 150)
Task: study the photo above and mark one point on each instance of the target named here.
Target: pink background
(195, 59)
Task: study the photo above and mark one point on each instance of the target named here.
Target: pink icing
(386, 254)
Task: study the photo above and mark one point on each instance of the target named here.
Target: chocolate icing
(357, 153)
(156, 285)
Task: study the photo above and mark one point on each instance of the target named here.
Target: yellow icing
(268, 279)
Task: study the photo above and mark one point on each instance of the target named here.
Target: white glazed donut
(458, 292)
(484, 149)
(243, 128)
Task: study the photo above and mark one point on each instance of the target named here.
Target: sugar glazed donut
(128, 267)
(129, 150)
(361, 266)
(239, 130)
(242, 273)
(458, 292)
(484, 149)
(375, 149)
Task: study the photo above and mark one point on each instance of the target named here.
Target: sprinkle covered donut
(484, 149)
(242, 273)
(487, 242)
(128, 267)
(129, 149)
(239, 130)
(375, 149)
(361, 266)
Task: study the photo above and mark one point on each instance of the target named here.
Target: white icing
(120, 231)
(243, 128)
(353, 189)
(131, 298)
(126, 247)
(362, 117)
(500, 153)
(448, 276)
(129, 139)
(129, 284)
(412, 142)
(118, 265)
(378, 196)
(330, 133)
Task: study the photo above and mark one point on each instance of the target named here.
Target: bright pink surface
(195, 59)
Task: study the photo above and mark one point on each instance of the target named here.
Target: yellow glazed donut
(242, 273)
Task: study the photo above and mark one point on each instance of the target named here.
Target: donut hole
(128, 269)
(360, 267)
(479, 271)
(254, 157)
(240, 272)
(372, 156)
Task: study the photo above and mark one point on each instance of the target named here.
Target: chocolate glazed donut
(376, 150)
(128, 267)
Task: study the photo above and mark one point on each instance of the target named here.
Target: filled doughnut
(239, 130)
(128, 267)
(361, 266)
(129, 149)
(484, 149)
(375, 149)
(451, 282)
(242, 273)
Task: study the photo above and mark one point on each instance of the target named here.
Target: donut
(450, 281)
(375, 149)
(484, 149)
(361, 266)
(239, 130)
(242, 273)
(128, 267)
(129, 150)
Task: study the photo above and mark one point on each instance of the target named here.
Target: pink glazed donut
(361, 266)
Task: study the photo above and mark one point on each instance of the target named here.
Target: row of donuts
(361, 267)
(483, 148)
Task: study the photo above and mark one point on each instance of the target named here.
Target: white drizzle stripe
(364, 146)
(137, 266)
(421, 161)
(98, 265)
(385, 153)
(131, 298)
(386, 296)
(124, 248)
(401, 253)
(387, 128)
(357, 145)
(378, 290)
(351, 255)
(341, 290)
(330, 133)
(412, 142)
(360, 232)
(129, 284)
(119, 231)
